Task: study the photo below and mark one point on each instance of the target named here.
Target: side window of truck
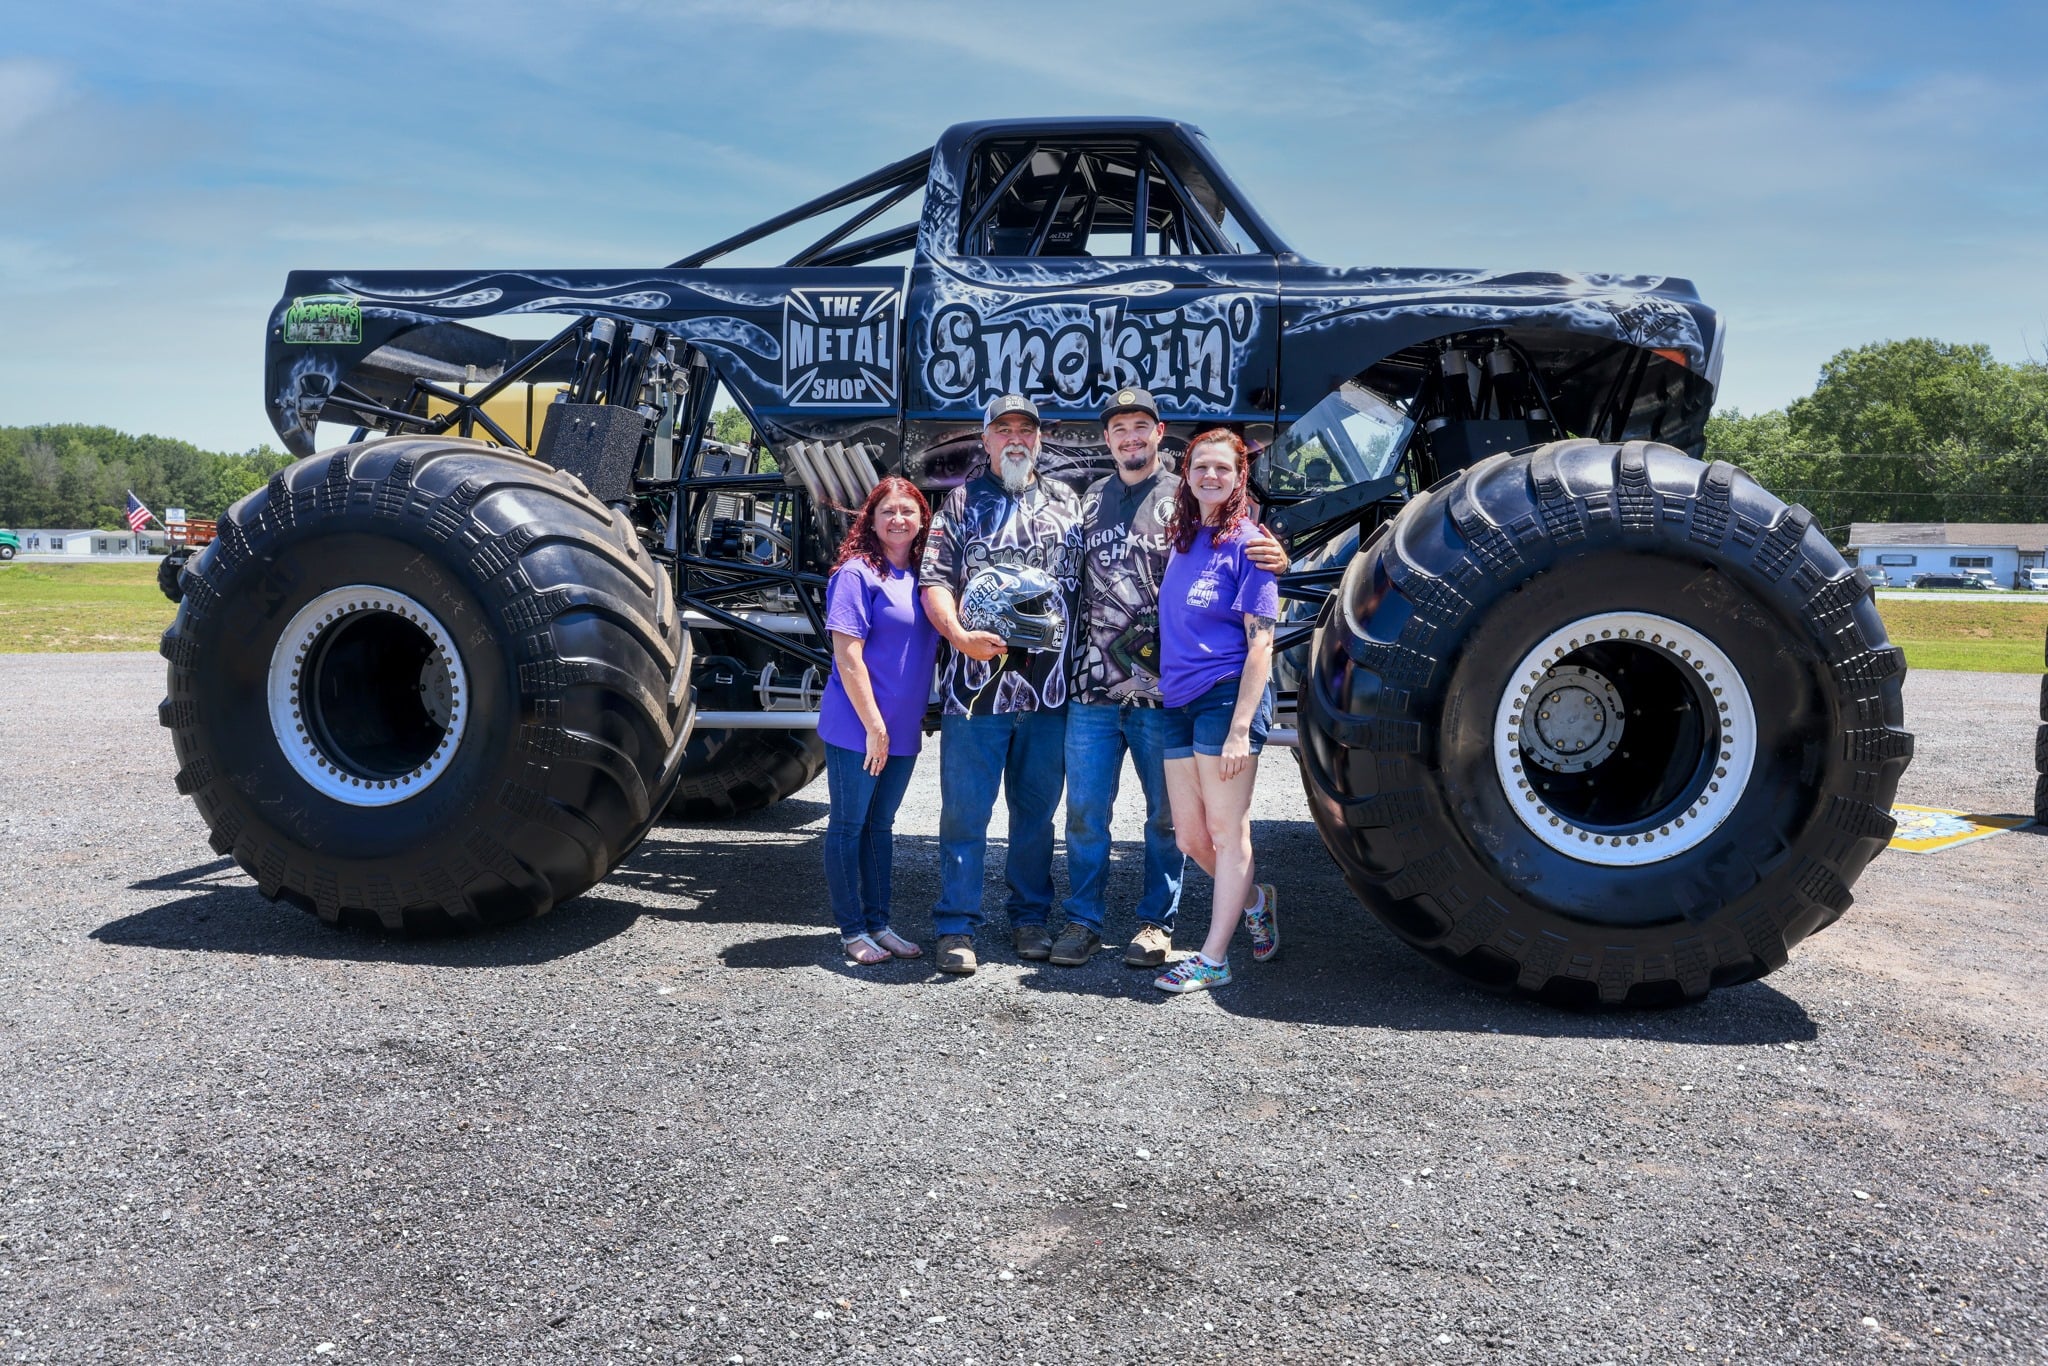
(1045, 199)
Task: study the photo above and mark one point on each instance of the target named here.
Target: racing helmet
(1022, 605)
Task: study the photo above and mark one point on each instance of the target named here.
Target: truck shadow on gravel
(1338, 967)
(724, 880)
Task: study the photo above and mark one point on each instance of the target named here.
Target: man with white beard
(1003, 721)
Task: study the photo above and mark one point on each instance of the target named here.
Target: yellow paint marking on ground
(1931, 829)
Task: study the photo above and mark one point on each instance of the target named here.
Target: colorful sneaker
(1192, 974)
(1264, 924)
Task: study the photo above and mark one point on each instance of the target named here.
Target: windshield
(1351, 437)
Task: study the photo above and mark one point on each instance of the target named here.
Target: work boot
(1033, 942)
(1148, 947)
(956, 954)
(1077, 944)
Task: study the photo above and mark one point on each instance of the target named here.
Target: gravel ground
(668, 1122)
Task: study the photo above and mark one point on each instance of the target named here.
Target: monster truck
(1579, 715)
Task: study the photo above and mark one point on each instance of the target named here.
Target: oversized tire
(167, 571)
(731, 772)
(1603, 725)
(426, 682)
(6, 552)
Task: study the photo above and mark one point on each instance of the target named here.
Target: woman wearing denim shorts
(1216, 615)
(871, 718)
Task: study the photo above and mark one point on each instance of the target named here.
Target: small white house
(1903, 549)
(84, 542)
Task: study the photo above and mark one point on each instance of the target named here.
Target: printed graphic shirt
(886, 613)
(1202, 606)
(978, 525)
(1123, 561)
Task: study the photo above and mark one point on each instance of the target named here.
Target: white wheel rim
(1549, 670)
(442, 686)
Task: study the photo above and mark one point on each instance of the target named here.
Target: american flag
(138, 515)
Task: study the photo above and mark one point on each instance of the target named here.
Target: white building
(1903, 549)
(84, 542)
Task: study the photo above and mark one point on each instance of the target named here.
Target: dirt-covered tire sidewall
(1411, 660)
(1775, 804)
(570, 651)
(231, 687)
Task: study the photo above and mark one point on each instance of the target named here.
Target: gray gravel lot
(668, 1122)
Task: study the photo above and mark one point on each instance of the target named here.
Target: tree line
(1903, 431)
(1897, 431)
(78, 476)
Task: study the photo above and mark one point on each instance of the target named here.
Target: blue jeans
(860, 836)
(1097, 736)
(1025, 754)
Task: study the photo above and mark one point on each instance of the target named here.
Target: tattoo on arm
(1254, 627)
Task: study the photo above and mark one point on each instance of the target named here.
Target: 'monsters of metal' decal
(839, 348)
(324, 320)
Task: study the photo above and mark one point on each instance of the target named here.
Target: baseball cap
(1130, 400)
(1006, 404)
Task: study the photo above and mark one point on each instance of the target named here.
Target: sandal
(896, 943)
(864, 950)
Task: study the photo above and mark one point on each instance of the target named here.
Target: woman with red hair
(1216, 614)
(871, 720)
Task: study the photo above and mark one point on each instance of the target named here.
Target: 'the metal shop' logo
(839, 348)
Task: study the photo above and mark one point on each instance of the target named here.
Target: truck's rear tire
(1603, 725)
(167, 571)
(731, 772)
(425, 682)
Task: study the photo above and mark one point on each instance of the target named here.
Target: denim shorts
(1203, 725)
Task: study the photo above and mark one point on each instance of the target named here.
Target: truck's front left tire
(1603, 725)
(426, 682)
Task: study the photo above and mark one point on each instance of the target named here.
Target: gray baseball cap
(1130, 399)
(1006, 404)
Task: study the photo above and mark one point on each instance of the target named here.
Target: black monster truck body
(1578, 713)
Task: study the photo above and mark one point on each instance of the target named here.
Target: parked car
(1879, 577)
(1985, 579)
(2036, 579)
(1955, 580)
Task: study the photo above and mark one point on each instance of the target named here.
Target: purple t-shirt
(1203, 601)
(885, 612)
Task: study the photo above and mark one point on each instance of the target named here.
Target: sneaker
(1192, 974)
(1033, 942)
(1148, 947)
(1264, 924)
(1076, 945)
(956, 954)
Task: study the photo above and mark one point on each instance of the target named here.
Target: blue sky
(1828, 175)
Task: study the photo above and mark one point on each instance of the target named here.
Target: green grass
(1974, 637)
(71, 607)
(66, 608)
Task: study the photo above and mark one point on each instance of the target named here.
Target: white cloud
(29, 90)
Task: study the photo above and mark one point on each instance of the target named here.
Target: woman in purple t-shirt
(1216, 615)
(883, 652)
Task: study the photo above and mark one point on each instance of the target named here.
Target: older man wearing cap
(1115, 705)
(1000, 569)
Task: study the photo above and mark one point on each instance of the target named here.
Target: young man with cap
(1115, 705)
(1004, 708)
